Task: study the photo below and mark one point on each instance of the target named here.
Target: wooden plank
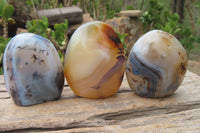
(130, 13)
(73, 14)
(123, 112)
(184, 121)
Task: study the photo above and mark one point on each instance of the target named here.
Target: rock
(194, 66)
(94, 61)
(21, 30)
(32, 69)
(123, 112)
(128, 25)
(87, 18)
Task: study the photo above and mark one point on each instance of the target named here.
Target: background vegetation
(178, 17)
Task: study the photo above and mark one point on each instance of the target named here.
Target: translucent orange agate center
(94, 61)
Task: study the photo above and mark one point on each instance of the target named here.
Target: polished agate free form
(94, 61)
(32, 69)
(156, 65)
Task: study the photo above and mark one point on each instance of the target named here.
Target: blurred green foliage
(6, 12)
(122, 37)
(100, 9)
(38, 26)
(41, 27)
(59, 32)
(3, 43)
(43, 4)
(158, 17)
(130, 7)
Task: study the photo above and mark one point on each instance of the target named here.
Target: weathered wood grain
(123, 112)
(130, 13)
(73, 14)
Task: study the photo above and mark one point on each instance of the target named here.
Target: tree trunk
(191, 17)
(178, 7)
(67, 3)
(84, 5)
(113, 4)
(142, 3)
(98, 10)
(103, 6)
(123, 5)
(94, 9)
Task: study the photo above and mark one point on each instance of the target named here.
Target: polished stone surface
(32, 69)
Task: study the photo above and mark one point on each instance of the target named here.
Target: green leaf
(28, 24)
(29, 3)
(2, 48)
(66, 24)
(3, 43)
(2, 5)
(198, 23)
(45, 22)
(11, 20)
(2, 39)
(60, 5)
(60, 31)
(7, 11)
(53, 34)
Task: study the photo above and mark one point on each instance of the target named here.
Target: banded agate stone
(33, 71)
(156, 65)
(94, 61)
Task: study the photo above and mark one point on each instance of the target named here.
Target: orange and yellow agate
(94, 61)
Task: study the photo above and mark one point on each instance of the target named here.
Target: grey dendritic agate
(33, 71)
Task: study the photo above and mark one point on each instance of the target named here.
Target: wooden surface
(130, 13)
(123, 112)
(73, 14)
